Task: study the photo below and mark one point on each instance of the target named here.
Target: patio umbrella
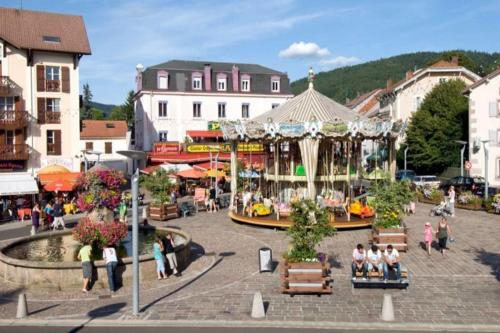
(212, 173)
(60, 186)
(192, 173)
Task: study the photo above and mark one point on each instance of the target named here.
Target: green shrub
(389, 202)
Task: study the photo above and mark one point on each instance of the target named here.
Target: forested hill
(349, 82)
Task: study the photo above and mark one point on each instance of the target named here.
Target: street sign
(468, 165)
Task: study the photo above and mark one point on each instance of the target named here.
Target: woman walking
(160, 261)
(170, 251)
(442, 234)
(428, 232)
(109, 255)
(35, 218)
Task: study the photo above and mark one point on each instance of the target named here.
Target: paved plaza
(461, 288)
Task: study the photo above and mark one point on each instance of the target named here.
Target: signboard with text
(166, 147)
(225, 148)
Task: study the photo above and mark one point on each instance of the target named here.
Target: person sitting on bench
(374, 259)
(358, 261)
(391, 262)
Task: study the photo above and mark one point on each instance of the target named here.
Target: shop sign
(291, 129)
(225, 148)
(214, 126)
(166, 147)
(12, 166)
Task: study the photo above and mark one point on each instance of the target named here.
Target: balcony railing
(13, 119)
(49, 117)
(14, 152)
(6, 85)
(53, 85)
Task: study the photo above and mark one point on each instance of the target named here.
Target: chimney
(236, 78)
(389, 84)
(409, 74)
(208, 77)
(138, 78)
(454, 60)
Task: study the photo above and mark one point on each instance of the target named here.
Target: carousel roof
(308, 106)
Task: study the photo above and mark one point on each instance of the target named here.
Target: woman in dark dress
(35, 217)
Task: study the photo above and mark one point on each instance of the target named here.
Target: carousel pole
(276, 165)
(348, 180)
(392, 159)
(234, 173)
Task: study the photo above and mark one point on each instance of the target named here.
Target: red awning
(61, 185)
(205, 134)
(71, 177)
(191, 173)
(206, 165)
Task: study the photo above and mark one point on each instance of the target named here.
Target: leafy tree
(96, 114)
(85, 112)
(159, 184)
(125, 111)
(440, 120)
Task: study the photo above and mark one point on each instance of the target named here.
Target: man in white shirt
(374, 259)
(391, 258)
(358, 261)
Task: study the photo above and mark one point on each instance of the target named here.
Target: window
(162, 80)
(442, 80)
(53, 142)
(53, 104)
(110, 125)
(52, 73)
(245, 110)
(197, 83)
(197, 110)
(51, 39)
(9, 137)
(6, 103)
(494, 109)
(108, 147)
(275, 105)
(162, 109)
(221, 84)
(162, 136)
(222, 110)
(245, 84)
(416, 102)
(498, 168)
(275, 84)
(89, 145)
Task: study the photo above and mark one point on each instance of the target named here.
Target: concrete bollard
(22, 307)
(387, 308)
(258, 306)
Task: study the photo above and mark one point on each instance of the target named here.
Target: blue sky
(288, 35)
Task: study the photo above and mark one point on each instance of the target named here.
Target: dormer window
(221, 82)
(275, 84)
(245, 83)
(162, 80)
(197, 77)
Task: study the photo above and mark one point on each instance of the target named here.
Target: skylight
(51, 39)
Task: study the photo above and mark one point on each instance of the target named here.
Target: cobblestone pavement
(460, 288)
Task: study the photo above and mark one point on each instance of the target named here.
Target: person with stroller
(451, 200)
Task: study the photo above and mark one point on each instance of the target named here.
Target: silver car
(426, 181)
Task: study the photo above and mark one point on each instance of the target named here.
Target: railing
(49, 117)
(14, 152)
(13, 119)
(53, 85)
(6, 84)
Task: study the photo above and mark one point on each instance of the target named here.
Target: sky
(286, 35)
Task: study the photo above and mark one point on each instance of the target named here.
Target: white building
(102, 139)
(484, 124)
(180, 96)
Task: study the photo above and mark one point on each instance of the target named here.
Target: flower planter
(305, 278)
(163, 212)
(397, 237)
(469, 206)
(429, 201)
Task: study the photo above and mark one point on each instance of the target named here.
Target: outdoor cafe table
(22, 212)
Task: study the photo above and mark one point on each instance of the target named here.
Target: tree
(125, 111)
(441, 119)
(85, 112)
(96, 114)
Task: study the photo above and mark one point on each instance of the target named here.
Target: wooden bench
(399, 240)
(375, 280)
(305, 278)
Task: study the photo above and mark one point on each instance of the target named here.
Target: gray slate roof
(180, 76)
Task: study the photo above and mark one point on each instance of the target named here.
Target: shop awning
(206, 165)
(17, 184)
(71, 177)
(60, 186)
(205, 134)
(193, 174)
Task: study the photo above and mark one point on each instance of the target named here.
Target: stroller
(443, 209)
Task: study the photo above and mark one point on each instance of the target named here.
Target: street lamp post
(462, 151)
(135, 155)
(486, 155)
(406, 151)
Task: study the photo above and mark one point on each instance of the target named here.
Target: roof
(358, 100)
(190, 65)
(26, 29)
(307, 106)
(483, 80)
(205, 134)
(103, 129)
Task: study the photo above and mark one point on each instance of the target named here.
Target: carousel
(313, 150)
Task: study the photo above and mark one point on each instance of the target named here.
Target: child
(428, 232)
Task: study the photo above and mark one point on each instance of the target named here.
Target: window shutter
(89, 145)
(493, 137)
(19, 104)
(108, 148)
(41, 110)
(57, 137)
(493, 109)
(65, 79)
(40, 78)
(19, 139)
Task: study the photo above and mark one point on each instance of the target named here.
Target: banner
(214, 126)
(166, 147)
(225, 148)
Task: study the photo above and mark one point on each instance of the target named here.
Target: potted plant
(492, 204)
(389, 203)
(468, 200)
(159, 185)
(304, 270)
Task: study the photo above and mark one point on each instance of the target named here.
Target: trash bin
(265, 259)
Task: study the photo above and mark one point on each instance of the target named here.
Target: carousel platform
(340, 223)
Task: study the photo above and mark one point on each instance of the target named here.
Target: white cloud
(304, 50)
(339, 61)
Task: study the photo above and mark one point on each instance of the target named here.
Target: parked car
(405, 175)
(426, 181)
(473, 184)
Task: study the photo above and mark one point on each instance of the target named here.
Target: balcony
(53, 85)
(7, 86)
(10, 120)
(17, 152)
(49, 117)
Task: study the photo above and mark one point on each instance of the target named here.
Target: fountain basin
(67, 275)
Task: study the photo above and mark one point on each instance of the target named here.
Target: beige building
(484, 124)
(39, 89)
